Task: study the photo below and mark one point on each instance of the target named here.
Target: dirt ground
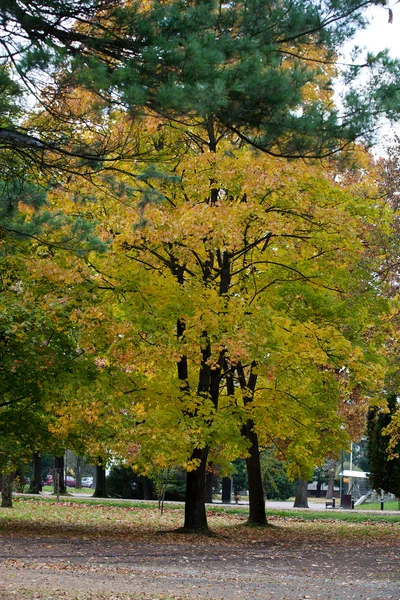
(280, 562)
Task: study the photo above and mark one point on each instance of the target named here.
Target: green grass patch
(70, 490)
(241, 511)
(391, 505)
(333, 515)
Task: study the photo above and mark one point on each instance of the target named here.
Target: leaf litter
(97, 552)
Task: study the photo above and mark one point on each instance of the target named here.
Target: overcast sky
(378, 36)
(382, 34)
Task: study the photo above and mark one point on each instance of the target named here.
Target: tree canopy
(237, 290)
(239, 302)
(247, 65)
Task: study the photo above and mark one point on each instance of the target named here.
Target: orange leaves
(261, 260)
(57, 274)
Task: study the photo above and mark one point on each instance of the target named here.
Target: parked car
(70, 481)
(87, 482)
(48, 480)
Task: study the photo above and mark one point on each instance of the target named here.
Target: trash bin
(347, 501)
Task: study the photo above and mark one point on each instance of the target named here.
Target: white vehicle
(87, 482)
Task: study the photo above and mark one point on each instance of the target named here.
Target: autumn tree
(242, 305)
(389, 270)
(38, 344)
(231, 75)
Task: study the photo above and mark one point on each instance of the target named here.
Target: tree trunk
(208, 383)
(257, 514)
(6, 490)
(318, 490)
(301, 494)
(147, 485)
(331, 481)
(226, 490)
(209, 487)
(101, 488)
(59, 466)
(36, 483)
(78, 472)
(195, 510)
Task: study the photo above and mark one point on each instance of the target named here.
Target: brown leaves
(77, 520)
(79, 551)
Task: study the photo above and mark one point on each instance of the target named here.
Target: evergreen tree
(277, 485)
(249, 66)
(384, 468)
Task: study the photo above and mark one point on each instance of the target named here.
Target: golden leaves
(261, 260)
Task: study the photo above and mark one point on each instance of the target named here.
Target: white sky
(381, 35)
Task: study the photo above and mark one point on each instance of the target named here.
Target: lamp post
(351, 456)
(341, 481)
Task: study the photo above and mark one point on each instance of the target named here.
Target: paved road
(288, 505)
(269, 504)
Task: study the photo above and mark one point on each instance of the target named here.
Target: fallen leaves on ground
(103, 552)
(99, 521)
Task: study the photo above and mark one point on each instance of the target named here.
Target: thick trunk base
(226, 495)
(36, 483)
(6, 490)
(301, 494)
(195, 508)
(101, 488)
(257, 516)
(60, 467)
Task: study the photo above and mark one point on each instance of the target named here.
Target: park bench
(330, 503)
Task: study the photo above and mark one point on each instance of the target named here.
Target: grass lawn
(70, 490)
(48, 506)
(392, 505)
